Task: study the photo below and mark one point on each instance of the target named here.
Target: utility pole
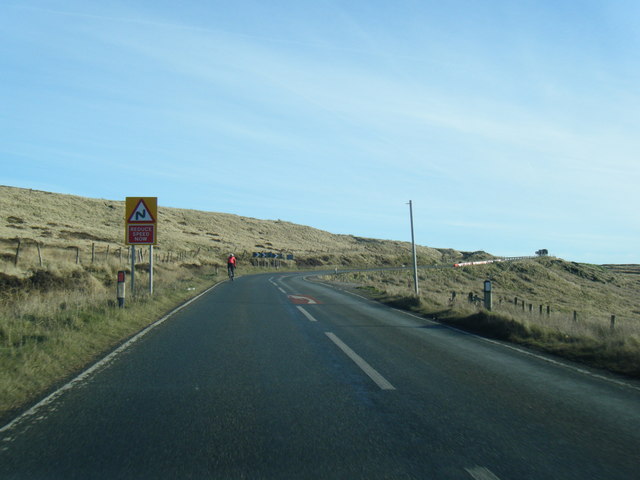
(413, 244)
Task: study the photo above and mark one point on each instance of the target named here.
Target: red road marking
(303, 300)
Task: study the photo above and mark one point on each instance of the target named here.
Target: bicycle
(232, 272)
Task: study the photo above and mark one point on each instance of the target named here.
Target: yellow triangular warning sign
(141, 214)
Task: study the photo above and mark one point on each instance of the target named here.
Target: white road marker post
(488, 298)
(120, 291)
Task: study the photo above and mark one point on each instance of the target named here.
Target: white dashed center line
(481, 473)
(364, 366)
(307, 314)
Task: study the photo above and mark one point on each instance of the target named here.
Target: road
(276, 376)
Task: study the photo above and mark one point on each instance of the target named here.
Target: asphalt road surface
(275, 376)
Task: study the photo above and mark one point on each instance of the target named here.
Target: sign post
(141, 214)
(133, 270)
(150, 269)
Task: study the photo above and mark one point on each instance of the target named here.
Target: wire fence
(572, 321)
(31, 254)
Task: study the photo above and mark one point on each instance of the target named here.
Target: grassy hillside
(61, 222)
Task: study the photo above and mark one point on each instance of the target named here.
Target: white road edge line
(557, 363)
(307, 314)
(568, 366)
(481, 473)
(101, 363)
(364, 366)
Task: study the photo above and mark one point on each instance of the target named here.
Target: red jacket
(231, 261)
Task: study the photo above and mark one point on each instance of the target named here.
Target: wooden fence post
(575, 316)
(17, 253)
(39, 253)
(93, 252)
(613, 322)
(77, 255)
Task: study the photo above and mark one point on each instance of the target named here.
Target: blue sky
(512, 126)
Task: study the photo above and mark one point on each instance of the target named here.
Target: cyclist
(231, 265)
